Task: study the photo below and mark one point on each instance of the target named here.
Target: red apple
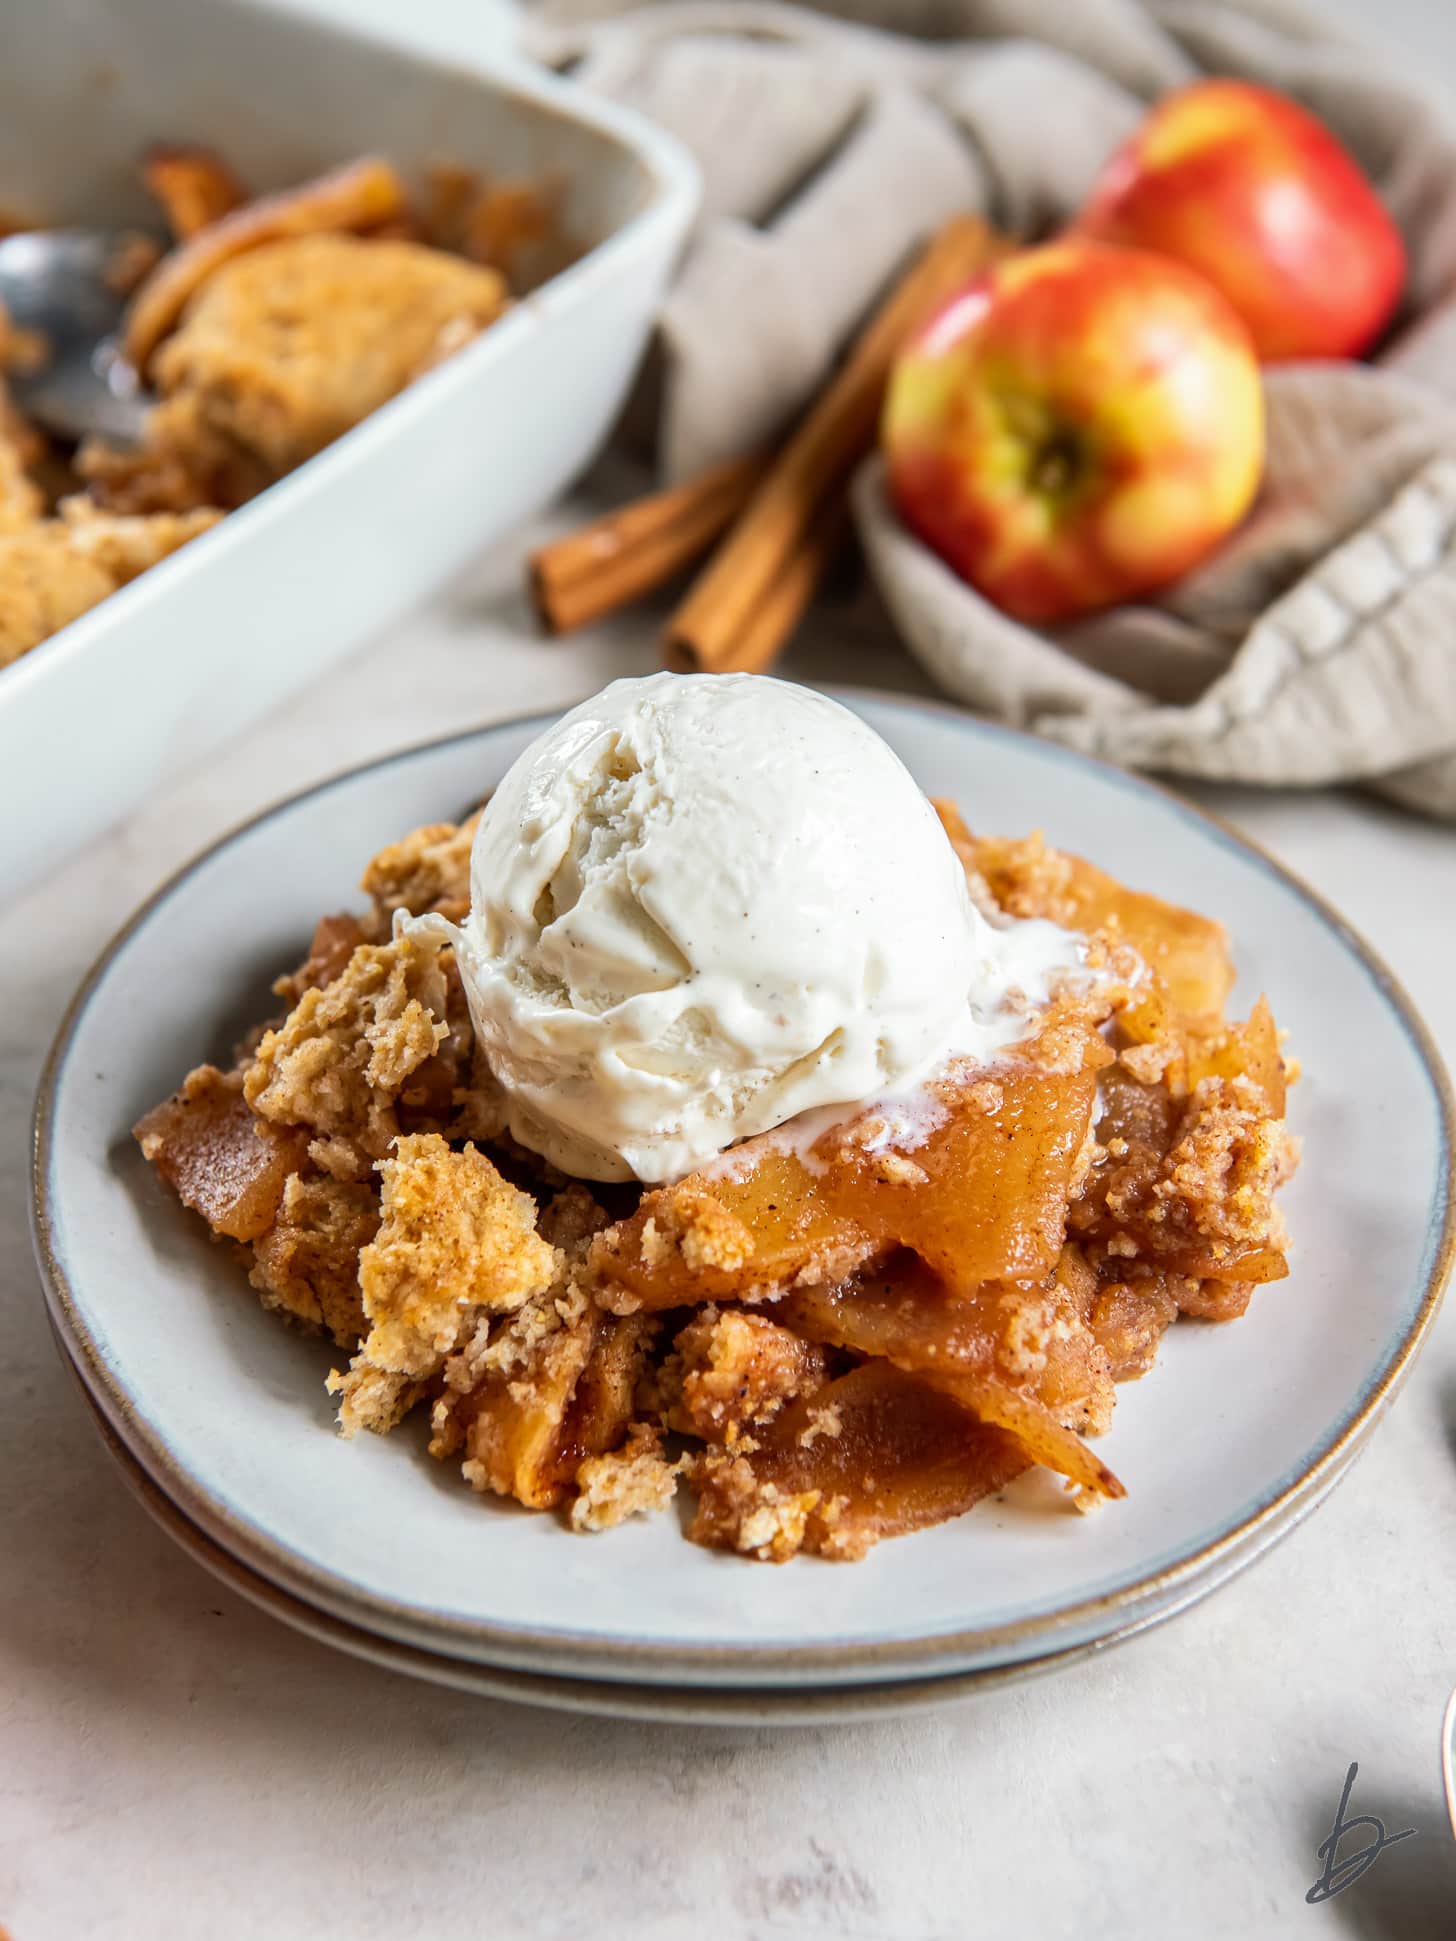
(1078, 427)
(1243, 185)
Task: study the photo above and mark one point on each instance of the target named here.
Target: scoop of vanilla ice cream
(703, 904)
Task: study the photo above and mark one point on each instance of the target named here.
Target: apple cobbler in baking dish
(269, 328)
(536, 1141)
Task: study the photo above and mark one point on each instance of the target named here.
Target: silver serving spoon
(55, 281)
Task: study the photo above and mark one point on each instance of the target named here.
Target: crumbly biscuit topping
(832, 1343)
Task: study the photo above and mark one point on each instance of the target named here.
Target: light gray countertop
(174, 1764)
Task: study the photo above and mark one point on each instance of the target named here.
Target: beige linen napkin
(1319, 645)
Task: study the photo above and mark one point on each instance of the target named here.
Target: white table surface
(175, 1764)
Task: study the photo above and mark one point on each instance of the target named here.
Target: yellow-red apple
(1079, 426)
(1245, 186)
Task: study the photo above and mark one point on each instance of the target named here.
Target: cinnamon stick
(635, 549)
(772, 622)
(719, 625)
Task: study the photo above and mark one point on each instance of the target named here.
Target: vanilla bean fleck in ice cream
(704, 904)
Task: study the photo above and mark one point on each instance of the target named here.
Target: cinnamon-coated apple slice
(975, 1180)
(1034, 1338)
(1189, 952)
(875, 1454)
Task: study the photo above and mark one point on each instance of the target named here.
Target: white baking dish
(208, 640)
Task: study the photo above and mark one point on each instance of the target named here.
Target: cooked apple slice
(872, 1455)
(217, 1157)
(1029, 879)
(1031, 1338)
(977, 1187)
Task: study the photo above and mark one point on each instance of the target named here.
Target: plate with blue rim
(1235, 1434)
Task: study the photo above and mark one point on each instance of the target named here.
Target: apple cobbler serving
(710, 1110)
(269, 328)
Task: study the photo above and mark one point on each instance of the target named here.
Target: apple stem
(1054, 467)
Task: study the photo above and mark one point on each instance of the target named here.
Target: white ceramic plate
(1233, 1436)
(607, 1697)
(618, 1697)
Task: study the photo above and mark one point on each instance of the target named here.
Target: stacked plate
(220, 1421)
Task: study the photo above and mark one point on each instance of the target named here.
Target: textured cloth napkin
(1319, 644)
